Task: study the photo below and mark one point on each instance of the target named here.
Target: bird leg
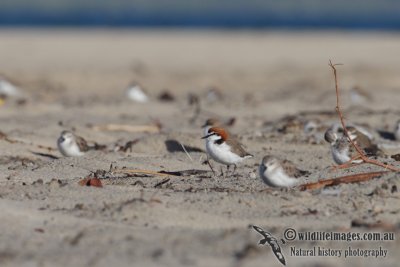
(222, 172)
(227, 170)
(209, 165)
(234, 169)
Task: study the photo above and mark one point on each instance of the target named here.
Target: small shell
(95, 182)
(91, 182)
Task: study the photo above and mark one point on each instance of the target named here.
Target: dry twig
(187, 154)
(355, 178)
(142, 171)
(358, 149)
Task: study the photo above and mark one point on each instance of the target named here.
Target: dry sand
(74, 79)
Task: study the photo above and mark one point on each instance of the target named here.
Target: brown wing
(83, 146)
(291, 170)
(365, 143)
(362, 140)
(237, 148)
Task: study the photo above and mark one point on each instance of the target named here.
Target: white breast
(340, 157)
(222, 153)
(70, 149)
(277, 178)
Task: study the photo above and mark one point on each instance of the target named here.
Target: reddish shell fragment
(91, 182)
(95, 182)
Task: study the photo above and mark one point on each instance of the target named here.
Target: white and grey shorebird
(136, 93)
(279, 173)
(343, 151)
(223, 148)
(71, 145)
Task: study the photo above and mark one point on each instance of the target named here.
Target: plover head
(330, 136)
(270, 163)
(216, 134)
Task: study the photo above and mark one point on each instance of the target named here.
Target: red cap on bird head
(220, 131)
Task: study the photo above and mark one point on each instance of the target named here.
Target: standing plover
(223, 148)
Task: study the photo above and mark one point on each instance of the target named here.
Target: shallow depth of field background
(262, 62)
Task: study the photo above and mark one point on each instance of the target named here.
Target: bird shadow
(174, 146)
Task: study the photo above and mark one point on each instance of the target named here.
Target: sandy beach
(272, 83)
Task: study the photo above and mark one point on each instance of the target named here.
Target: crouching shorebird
(71, 145)
(343, 151)
(278, 173)
(224, 149)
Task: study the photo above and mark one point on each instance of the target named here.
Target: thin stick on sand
(184, 149)
(143, 171)
(355, 178)
(358, 149)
